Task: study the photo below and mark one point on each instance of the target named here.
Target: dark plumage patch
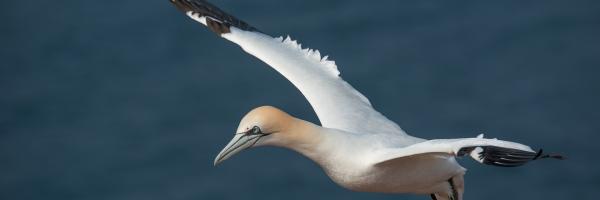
(506, 157)
(465, 150)
(217, 20)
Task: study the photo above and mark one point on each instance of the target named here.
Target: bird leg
(453, 189)
(433, 197)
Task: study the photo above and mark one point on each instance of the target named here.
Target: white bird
(357, 147)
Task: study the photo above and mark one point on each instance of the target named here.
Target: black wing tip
(540, 155)
(217, 20)
(181, 5)
(506, 157)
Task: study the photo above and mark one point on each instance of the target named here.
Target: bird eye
(254, 131)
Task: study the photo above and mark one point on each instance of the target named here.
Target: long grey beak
(237, 144)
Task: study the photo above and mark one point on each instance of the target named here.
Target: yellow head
(265, 125)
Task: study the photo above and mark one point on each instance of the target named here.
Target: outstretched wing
(486, 151)
(337, 104)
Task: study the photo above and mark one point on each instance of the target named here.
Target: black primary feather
(217, 20)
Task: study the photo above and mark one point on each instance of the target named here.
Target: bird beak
(239, 142)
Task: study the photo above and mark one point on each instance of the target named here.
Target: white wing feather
(452, 147)
(337, 104)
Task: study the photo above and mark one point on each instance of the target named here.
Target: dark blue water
(132, 100)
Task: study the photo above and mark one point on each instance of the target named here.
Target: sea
(127, 100)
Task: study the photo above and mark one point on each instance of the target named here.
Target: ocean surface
(132, 100)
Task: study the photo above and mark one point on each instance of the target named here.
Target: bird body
(347, 158)
(357, 147)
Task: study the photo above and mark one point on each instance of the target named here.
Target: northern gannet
(357, 147)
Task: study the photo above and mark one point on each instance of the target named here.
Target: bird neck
(321, 145)
(301, 133)
(303, 137)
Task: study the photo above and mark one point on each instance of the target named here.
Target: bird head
(265, 125)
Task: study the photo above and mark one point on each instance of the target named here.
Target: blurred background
(132, 100)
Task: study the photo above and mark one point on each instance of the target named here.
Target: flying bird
(356, 146)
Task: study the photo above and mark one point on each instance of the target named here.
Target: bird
(357, 147)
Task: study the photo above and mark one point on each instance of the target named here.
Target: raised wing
(487, 151)
(337, 104)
